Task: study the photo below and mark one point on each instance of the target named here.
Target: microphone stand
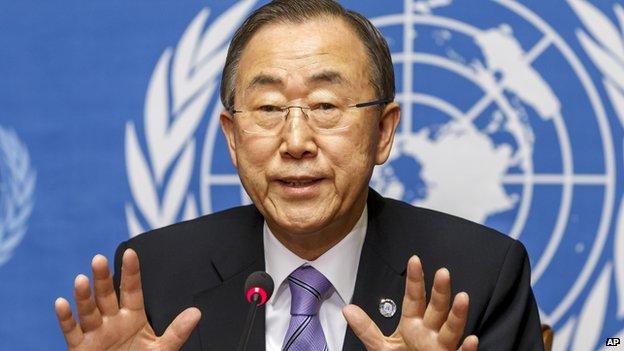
(251, 316)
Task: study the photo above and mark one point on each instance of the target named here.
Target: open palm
(422, 327)
(106, 324)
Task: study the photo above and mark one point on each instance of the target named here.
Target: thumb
(364, 327)
(179, 330)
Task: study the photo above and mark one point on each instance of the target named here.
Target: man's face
(304, 181)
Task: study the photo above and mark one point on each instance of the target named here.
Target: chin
(298, 223)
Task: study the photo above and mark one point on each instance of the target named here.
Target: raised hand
(421, 328)
(108, 325)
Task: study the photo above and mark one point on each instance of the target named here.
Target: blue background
(73, 73)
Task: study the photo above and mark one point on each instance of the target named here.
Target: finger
(105, 296)
(470, 344)
(438, 307)
(88, 313)
(364, 328)
(71, 331)
(180, 329)
(414, 298)
(453, 328)
(131, 292)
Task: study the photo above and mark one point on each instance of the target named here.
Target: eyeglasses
(323, 117)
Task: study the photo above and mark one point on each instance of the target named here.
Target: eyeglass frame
(302, 108)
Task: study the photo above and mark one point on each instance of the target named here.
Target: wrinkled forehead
(320, 52)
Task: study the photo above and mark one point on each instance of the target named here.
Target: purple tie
(308, 289)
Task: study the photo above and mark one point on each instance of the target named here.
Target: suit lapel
(224, 308)
(381, 273)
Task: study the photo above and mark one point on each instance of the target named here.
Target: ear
(390, 117)
(229, 130)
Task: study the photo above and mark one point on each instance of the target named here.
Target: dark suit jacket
(204, 263)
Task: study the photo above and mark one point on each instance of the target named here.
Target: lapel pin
(387, 307)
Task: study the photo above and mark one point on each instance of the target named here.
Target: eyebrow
(263, 80)
(332, 77)
(328, 76)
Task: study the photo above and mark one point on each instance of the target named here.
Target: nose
(297, 136)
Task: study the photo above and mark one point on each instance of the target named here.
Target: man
(308, 90)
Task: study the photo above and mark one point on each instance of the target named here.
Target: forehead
(301, 53)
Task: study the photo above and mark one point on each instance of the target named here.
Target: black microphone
(258, 290)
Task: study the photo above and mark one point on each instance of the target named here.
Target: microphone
(258, 290)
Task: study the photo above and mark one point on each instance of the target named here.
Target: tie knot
(308, 289)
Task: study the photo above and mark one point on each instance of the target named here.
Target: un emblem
(498, 113)
(17, 187)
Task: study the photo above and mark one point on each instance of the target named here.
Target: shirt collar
(339, 264)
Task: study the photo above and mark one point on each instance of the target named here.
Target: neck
(312, 245)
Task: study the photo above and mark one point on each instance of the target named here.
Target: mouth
(300, 186)
(299, 183)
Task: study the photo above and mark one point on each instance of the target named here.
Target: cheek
(254, 156)
(351, 154)
(255, 151)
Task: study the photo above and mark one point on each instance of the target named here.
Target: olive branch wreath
(17, 187)
(181, 86)
(603, 42)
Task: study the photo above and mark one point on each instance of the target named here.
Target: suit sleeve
(511, 320)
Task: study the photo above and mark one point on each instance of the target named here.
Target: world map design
(458, 146)
(421, 172)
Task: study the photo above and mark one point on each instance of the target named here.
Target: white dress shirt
(339, 265)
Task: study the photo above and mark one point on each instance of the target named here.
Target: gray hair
(298, 11)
